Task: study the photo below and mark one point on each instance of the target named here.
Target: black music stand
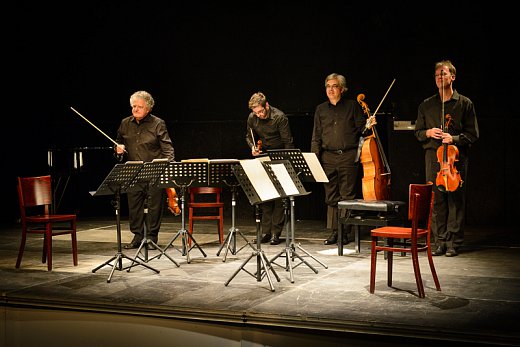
(147, 177)
(220, 171)
(184, 175)
(308, 169)
(262, 182)
(117, 182)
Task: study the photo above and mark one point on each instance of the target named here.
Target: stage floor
(209, 301)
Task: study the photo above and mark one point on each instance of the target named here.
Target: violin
(376, 171)
(448, 178)
(173, 201)
(259, 145)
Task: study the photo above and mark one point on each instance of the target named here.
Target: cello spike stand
(263, 266)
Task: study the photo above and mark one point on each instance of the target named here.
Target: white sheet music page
(285, 179)
(259, 178)
(315, 167)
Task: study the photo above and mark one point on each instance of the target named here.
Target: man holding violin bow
(268, 128)
(446, 126)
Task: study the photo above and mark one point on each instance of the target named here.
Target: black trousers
(137, 202)
(448, 207)
(342, 171)
(272, 221)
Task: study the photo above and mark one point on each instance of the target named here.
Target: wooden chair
(417, 236)
(35, 200)
(213, 209)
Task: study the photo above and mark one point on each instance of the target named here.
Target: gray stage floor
(479, 302)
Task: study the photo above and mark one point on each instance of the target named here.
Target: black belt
(337, 151)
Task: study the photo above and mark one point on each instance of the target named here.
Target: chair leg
(432, 268)
(22, 248)
(373, 259)
(48, 237)
(390, 263)
(417, 271)
(221, 226)
(190, 225)
(74, 247)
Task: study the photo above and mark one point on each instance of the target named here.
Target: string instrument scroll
(448, 178)
(376, 170)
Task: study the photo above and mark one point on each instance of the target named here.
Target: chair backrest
(420, 204)
(194, 191)
(33, 192)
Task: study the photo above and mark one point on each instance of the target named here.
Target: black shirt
(337, 127)
(146, 140)
(463, 124)
(274, 131)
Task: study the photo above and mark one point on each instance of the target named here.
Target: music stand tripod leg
(183, 233)
(146, 242)
(227, 243)
(118, 258)
(262, 263)
(195, 244)
(299, 246)
(231, 237)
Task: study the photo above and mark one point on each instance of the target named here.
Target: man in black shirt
(268, 128)
(447, 118)
(144, 137)
(338, 126)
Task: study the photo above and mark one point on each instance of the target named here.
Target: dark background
(202, 62)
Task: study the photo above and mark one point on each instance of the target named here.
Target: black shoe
(266, 238)
(275, 240)
(451, 252)
(333, 238)
(439, 251)
(150, 246)
(132, 244)
(345, 240)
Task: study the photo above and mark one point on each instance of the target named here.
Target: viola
(259, 145)
(376, 171)
(173, 201)
(448, 178)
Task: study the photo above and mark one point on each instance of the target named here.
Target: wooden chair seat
(420, 207)
(205, 204)
(35, 200)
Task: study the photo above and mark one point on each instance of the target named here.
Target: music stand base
(118, 264)
(290, 254)
(231, 243)
(263, 267)
(143, 247)
(185, 249)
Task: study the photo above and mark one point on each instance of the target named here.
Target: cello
(376, 171)
(448, 178)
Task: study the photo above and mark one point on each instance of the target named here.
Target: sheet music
(315, 167)
(260, 179)
(285, 179)
(263, 158)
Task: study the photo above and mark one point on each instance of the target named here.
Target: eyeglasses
(259, 110)
(334, 86)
